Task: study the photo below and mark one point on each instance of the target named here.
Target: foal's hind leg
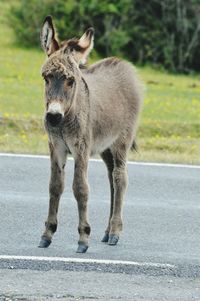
(108, 159)
(119, 153)
(56, 186)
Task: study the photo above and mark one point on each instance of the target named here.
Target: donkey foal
(88, 111)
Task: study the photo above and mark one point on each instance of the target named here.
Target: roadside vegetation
(169, 130)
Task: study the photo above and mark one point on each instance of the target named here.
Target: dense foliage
(164, 32)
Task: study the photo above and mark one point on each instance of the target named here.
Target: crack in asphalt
(18, 297)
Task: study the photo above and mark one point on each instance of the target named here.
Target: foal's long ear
(47, 36)
(82, 47)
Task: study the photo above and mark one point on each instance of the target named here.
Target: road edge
(151, 164)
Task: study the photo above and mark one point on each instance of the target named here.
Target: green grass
(170, 122)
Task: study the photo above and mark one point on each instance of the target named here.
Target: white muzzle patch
(55, 108)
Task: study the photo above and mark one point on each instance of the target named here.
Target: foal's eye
(70, 81)
(46, 80)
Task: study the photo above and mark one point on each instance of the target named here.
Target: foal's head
(61, 70)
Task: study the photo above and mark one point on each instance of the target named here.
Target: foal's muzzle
(54, 119)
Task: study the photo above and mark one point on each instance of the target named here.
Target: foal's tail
(134, 146)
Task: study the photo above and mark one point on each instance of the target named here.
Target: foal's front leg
(81, 190)
(56, 187)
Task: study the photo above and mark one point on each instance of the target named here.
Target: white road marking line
(86, 260)
(24, 156)
(152, 164)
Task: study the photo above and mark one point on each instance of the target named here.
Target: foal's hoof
(105, 238)
(82, 248)
(44, 243)
(113, 239)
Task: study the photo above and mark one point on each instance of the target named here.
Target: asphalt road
(160, 240)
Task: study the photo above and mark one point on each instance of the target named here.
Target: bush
(165, 32)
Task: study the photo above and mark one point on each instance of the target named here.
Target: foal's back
(115, 97)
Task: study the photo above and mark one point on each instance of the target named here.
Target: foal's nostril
(54, 119)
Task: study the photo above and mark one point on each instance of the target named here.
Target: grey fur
(97, 113)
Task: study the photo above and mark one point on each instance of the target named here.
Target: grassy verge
(170, 122)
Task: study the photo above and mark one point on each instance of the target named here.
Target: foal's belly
(99, 145)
